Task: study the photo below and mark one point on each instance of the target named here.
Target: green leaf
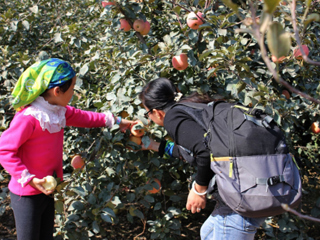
(83, 70)
(149, 198)
(57, 38)
(34, 9)
(312, 17)
(109, 211)
(279, 41)
(222, 32)
(205, 54)
(282, 225)
(105, 217)
(138, 213)
(95, 227)
(231, 4)
(58, 205)
(271, 5)
(157, 206)
(131, 197)
(26, 24)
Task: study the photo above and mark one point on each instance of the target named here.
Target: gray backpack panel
(254, 172)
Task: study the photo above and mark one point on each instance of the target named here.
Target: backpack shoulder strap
(200, 112)
(194, 110)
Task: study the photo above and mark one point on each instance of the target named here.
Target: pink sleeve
(20, 130)
(87, 119)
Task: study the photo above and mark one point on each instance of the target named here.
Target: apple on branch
(286, 93)
(195, 20)
(50, 183)
(180, 62)
(138, 25)
(315, 127)
(77, 161)
(104, 4)
(154, 189)
(124, 25)
(277, 60)
(297, 53)
(146, 29)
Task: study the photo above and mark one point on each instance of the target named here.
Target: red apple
(277, 60)
(146, 29)
(138, 25)
(195, 20)
(124, 25)
(180, 62)
(104, 4)
(286, 93)
(297, 53)
(77, 162)
(315, 127)
(137, 129)
(284, 3)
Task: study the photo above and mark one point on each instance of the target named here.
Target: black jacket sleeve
(189, 134)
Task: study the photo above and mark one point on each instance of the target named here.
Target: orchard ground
(190, 227)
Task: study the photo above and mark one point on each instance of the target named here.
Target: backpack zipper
(231, 167)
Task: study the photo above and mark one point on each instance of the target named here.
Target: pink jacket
(24, 146)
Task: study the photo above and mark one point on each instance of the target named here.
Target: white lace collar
(50, 117)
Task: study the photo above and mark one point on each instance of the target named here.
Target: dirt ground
(190, 227)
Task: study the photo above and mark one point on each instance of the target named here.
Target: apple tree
(244, 51)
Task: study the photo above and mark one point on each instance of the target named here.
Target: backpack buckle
(273, 180)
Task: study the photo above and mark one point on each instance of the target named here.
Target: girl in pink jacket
(31, 148)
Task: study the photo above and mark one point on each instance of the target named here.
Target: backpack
(254, 171)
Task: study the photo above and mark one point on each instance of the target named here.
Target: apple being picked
(315, 127)
(138, 25)
(180, 62)
(50, 183)
(135, 139)
(195, 20)
(297, 53)
(137, 129)
(124, 25)
(77, 162)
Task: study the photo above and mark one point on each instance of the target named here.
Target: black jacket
(189, 134)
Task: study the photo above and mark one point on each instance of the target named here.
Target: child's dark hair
(63, 87)
(161, 92)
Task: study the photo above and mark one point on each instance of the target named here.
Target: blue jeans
(232, 226)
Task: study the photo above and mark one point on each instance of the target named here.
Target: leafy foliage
(225, 60)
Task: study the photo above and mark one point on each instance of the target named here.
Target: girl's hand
(37, 184)
(126, 124)
(195, 202)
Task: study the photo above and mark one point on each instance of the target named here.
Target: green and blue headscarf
(38, 78)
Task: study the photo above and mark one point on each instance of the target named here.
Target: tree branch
(288, 209)
(260, 39)
(296, 34)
